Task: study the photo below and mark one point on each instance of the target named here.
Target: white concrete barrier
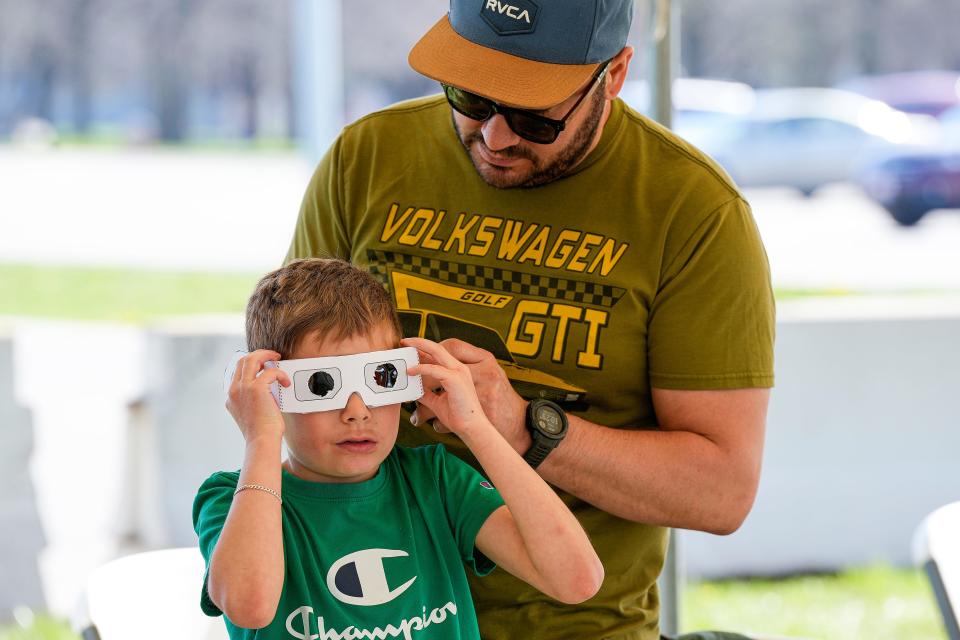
(863, 438)
(192, 434)
(77, 378)
(20, 531)
(863, 433)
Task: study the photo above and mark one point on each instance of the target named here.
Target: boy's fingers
(274, 375)
(435, 374)
(253, 363)
(435, 351)
(237, 371)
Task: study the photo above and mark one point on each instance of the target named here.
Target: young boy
(351, 536)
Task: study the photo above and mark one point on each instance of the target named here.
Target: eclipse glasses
(325, 384)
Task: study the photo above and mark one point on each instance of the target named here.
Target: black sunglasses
(526, 124)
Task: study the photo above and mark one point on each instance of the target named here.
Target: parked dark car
(913, 182)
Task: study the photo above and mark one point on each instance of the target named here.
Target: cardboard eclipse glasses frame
(326, 384)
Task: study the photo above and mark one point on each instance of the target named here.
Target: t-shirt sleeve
(210, 509)
(320, 232)
(468, 499)
(712, 321)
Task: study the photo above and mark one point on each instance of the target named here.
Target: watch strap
(537, 452)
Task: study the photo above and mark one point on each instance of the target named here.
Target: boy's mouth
(358, 445)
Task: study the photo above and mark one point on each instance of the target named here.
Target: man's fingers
(424, 417)
(464, 351)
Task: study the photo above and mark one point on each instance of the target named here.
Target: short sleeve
(320, 232)
(468, 499)
(210, 509)
(712, 320)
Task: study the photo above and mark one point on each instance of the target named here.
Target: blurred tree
(782, 42)
(40, 77)
(170, 54)
(222, 68)
(80, 72)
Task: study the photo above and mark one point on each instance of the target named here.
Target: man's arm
(700, 470)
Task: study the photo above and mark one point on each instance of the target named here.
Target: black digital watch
(547, 424)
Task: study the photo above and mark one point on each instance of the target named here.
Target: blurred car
(922, 92)
(911, 182)
(707, 112)
(809, 137)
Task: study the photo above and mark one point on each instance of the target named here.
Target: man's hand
(249, 400)
(449, 392)
(501, 404)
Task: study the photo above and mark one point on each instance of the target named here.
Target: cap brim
(446, 56)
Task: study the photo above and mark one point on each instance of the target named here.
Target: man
(576, 255)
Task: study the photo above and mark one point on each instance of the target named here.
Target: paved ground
(197, 210)
(839, 239)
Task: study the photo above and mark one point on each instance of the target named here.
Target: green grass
(139, 295)
(113, 139)
(38, 628)
(121, 295)
(876, 603)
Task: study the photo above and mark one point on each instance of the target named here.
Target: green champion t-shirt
(642, 268)
(377, 559)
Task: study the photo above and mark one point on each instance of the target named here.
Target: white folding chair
(149, 596)
(936, 548)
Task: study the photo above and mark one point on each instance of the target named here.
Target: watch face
(549, 420)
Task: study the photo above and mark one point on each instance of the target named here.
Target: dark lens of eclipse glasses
(385, 376)
(528, 126)
(321, 383)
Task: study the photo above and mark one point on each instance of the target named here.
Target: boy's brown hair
(328, 296)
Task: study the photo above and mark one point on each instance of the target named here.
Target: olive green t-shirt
(642, 268)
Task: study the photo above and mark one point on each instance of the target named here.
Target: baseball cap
(523, 53)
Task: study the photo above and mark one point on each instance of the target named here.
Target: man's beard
(539, 173)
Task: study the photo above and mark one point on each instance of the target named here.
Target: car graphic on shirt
(529, 383)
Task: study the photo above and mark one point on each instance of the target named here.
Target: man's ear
(617, 73)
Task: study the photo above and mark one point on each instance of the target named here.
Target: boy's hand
(448, 389)
(249, 400)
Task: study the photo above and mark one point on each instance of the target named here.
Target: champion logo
(360, 578)
(305, 618)
(510, 17)
(486, 485)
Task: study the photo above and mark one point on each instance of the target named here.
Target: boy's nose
(356, 410)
